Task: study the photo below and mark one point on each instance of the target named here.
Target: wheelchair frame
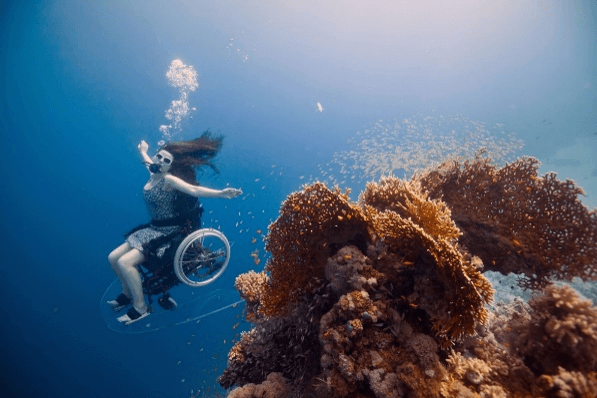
(161, 274)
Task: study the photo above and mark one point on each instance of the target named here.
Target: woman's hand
(230, 193)
(143, 147)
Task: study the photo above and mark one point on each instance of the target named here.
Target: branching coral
(562, 331)
(525, 357)
(251, 286)
(364, 299)
(517, 221)
(470, 370)
(569, 385)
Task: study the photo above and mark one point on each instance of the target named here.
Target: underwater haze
(336, 91)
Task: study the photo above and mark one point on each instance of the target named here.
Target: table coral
(448, 286)
(516, 221)
(385, 297)
(408, 200)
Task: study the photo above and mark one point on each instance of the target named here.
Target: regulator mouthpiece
(154, 168)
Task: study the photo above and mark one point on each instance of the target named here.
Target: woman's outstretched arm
(201, 192)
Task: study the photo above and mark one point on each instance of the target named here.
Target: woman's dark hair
(193, 154)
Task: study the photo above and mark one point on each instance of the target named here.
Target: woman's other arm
(201, 192)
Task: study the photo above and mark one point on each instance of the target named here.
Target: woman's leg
(113, 260)
(127, 266)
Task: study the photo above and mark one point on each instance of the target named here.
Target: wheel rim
(202, 257)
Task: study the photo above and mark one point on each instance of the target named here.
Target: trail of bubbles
(184, 78)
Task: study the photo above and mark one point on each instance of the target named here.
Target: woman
(171, 183)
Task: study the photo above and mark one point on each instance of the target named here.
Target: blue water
(83, 82)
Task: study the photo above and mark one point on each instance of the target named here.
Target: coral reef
(385, 297)
(569, 384)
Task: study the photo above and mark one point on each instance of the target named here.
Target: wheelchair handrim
(205, 232)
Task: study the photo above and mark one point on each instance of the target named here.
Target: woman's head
(189, 155)
(161, 161)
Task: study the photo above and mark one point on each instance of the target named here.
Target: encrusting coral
(385, 297)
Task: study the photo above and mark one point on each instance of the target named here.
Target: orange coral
(519, 222)
(408, 200)
(521, 354)
(470, 370)
(422, 231)
(311, 223)
(391, 361)
(484, 366)
(236, 353)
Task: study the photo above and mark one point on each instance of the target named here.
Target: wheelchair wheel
(202, 257)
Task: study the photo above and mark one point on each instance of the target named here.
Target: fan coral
(518, 222)
(312, 223)
(419, 230)
(406, 199)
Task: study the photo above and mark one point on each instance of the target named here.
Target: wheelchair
(195, 259)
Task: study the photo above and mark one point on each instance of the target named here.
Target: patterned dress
(161, 206)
